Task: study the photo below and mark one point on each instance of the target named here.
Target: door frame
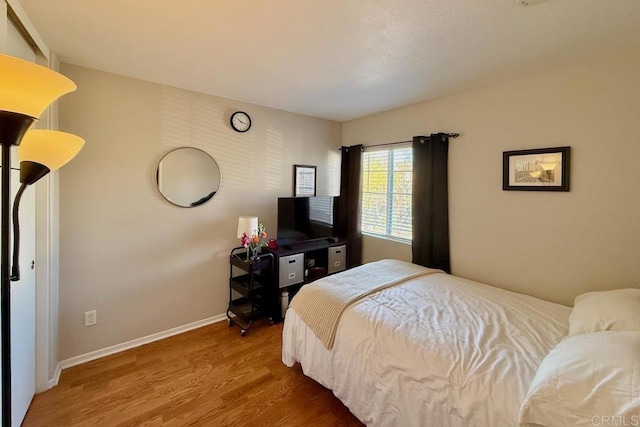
(47, 219)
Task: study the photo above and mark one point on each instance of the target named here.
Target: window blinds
(386, 192)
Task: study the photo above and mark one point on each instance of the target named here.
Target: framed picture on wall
(304, 180)
(540, 169)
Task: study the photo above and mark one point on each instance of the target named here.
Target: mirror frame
(156, 177)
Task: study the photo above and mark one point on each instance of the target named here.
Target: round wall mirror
(187, 177)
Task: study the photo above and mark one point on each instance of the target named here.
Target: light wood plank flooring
(207, 377)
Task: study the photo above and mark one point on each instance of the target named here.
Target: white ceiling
(335, 59)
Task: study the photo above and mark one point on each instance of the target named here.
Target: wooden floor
(207, 377)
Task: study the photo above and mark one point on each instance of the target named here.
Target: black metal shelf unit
(249, 288)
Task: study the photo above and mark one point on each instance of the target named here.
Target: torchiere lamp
(26, 89)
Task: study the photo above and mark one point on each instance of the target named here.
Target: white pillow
(617, 310)
(587, 380)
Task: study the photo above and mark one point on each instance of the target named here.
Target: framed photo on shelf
(304, 180)
(540, 169)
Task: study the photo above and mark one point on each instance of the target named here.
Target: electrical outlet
(90, 317)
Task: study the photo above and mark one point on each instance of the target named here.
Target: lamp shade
(247, 224)
(27, 88)
(50, 148)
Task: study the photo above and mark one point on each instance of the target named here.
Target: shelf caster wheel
(271, 321)
(229, 322)
(243, 332)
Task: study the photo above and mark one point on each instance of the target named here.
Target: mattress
(437, 350)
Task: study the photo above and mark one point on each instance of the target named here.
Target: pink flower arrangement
(256, 241)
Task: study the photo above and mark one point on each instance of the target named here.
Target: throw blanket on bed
(320, 304)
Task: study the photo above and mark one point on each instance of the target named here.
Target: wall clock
(240, 121)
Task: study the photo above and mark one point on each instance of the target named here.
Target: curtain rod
(450, 135)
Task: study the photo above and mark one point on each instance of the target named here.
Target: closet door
(23, 309)
(23, 295)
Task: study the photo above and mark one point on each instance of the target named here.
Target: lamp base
(14, 126)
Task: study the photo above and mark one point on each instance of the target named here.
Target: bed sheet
(437, 350)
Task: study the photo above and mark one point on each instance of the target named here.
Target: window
(321, 210)
(386, 192)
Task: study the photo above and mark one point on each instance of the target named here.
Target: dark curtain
(430, 202)
(348, 205)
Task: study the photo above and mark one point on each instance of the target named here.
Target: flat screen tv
(305, 218)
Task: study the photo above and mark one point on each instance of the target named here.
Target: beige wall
(144, 264)
(374, 249)
(551, 245)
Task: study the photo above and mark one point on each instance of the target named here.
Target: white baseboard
(93, 355)
(56, 377)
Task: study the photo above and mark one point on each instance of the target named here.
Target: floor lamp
(26, 89)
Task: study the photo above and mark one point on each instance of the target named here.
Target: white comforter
(435, 351)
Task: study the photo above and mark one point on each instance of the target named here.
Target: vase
(255, 252)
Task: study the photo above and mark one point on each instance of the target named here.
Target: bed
(434, 350)
(403, 345)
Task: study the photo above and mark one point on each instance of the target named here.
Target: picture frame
(304, 180)
(540, 169)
